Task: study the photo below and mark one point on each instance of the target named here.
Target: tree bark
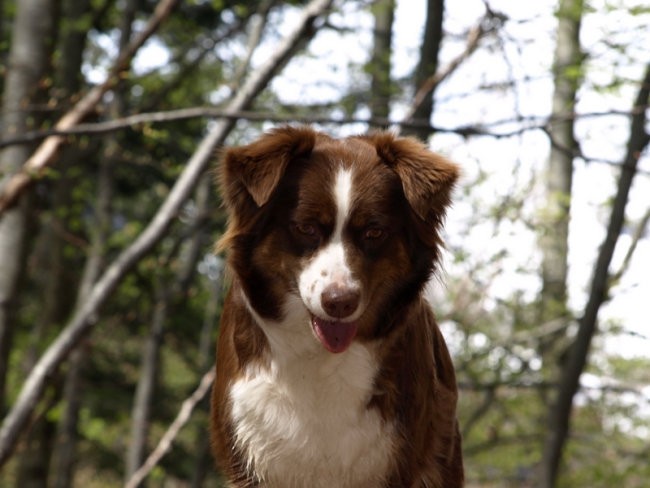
(559, 418)
(57, 273)
(380, 63)
(144, 393)
(64, 458)
(62, 471)
(427, 66)
(558, 175)
(555, 215)
(167, 294)
(204, 459)
(28, 62)
(216, 287)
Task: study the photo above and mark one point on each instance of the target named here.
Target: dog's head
(345, 232)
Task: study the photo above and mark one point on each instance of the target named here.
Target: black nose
(339, 301)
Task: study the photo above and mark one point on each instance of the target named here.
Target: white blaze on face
(342, 198)
(329, 265)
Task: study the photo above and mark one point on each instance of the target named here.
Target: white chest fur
(304, 422)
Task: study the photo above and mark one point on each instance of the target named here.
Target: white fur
(328, 267)
(303, 421)
(343, 198)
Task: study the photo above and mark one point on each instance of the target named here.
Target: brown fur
(407, 189)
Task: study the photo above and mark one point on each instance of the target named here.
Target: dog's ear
(254, 171)
(427, 178)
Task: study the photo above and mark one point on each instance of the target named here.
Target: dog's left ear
(254, 171)
(427, 178)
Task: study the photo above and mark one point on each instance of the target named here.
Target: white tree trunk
(28, 60)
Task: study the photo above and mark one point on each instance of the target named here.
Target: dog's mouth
(335, 336)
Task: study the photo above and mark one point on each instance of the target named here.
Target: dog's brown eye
(307, 236)
(308, 230)
(373, 233)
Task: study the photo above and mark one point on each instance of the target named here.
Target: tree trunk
(62, 472)
(35, 460)
(558, 175)
(559, 171)
(166, 296)
(3, 41)
(204, 459)
(72, 46)
(143, 399)
(380, 63)
(57, 275)
(559, 417)
(215, 285)
(427, 66)
(28, 62)
(29, 57)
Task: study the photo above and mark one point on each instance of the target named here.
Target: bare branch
(254, 38)
(172, 431)
(86, 316)
(133, 121)
(636, 237)
(510, 384)
(46, 152)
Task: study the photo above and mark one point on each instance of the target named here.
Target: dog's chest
(307, 423)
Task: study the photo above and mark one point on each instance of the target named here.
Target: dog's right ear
(252, 172)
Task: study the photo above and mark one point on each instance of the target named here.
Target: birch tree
(28, 62)
(558, 177)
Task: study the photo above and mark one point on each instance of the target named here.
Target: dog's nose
(340, 302)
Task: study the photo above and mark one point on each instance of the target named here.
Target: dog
(331, 369)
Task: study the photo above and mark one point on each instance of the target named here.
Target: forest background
(112, 113)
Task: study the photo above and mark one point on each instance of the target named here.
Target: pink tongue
(335, 336)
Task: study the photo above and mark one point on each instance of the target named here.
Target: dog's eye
(373, 233)
(307, 230)
(307, 235)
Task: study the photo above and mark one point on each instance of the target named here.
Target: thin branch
(172, 431)
(512, 384)
(46, 152)
(480, 411)
(500, 441)
(254, 38)
(636, 237)
(86, 316)
(133, 121)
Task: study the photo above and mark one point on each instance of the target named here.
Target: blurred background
(113, 112)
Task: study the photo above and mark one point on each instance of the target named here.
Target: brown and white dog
(331, 369)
